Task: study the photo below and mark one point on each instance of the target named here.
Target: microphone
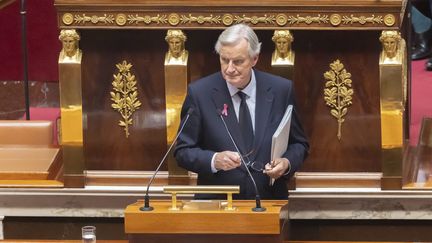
(257, 207)
(147, 206)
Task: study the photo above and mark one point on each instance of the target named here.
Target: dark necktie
(245, 123)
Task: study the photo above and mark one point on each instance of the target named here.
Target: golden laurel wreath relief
(125, 95)
(338, 92)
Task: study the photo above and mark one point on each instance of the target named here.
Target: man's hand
(277, 167)
(227, 160)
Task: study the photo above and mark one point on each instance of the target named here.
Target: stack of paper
(281, 136)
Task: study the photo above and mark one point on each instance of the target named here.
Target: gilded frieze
(362, 19)
(227, 19)
(265, 19)
(187, 19)
(319, 19)
(147, 19)
(94, 19)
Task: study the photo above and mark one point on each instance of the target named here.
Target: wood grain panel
(107, 148)
(359, 148)
(105, 144)
(243, 220)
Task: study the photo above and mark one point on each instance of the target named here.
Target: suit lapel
(221, 96)
(264, 102)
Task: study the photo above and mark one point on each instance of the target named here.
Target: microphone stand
(23, 13)
(147, 206)
(257, 207)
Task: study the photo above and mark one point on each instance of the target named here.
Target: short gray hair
(235, 34)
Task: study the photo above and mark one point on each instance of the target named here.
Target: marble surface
(360, 204)
(87, 202)
(102, 201)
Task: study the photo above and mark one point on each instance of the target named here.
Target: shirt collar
(247, 90)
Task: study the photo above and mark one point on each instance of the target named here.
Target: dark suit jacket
(205, 134)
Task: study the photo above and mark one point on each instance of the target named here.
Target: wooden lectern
(200, 225)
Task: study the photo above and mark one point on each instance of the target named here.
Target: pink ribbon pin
(225, 110)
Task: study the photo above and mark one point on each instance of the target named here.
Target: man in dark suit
(205, 147)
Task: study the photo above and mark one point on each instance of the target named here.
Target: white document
(281, 136)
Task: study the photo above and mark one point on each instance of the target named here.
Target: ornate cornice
(264, 20)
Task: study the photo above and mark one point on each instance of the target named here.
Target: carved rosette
(338, 92)
(125, 95)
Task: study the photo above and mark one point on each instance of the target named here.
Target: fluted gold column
(176, 78)
(71, 109)
(393, 82)
(283, 56)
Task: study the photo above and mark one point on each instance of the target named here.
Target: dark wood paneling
(359, 148)
(106, 147)
(105, 144)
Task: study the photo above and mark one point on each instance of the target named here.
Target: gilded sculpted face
(236, 64)
(282, 45)
(175, 46)
(390, 45)
(69, 45)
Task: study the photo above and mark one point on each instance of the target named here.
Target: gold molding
(147, 19)
(319, 19)
(94, 19)
(362, 19)
(265, 19)
(338, 92)
(227, 19)
(124, 95)
(200, 19)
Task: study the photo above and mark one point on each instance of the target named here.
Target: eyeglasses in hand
(255, 165)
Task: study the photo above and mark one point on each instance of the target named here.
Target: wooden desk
(163, 225)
